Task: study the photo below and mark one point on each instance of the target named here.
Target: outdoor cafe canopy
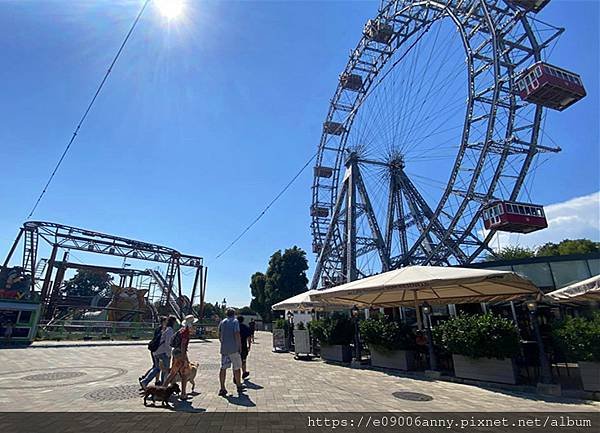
(305, 301)
(586, 290)
(413, 285)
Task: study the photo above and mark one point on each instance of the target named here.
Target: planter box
(279, 340)
(396, 359)
(301, 342)
(590, 375)
(485, 369)
(336, 353)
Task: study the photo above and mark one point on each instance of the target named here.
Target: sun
(170, 9)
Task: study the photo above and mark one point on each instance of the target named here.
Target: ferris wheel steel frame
(499, 42)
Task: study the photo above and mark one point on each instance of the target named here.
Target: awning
(586, 290)
(414, 285)
(305, 301)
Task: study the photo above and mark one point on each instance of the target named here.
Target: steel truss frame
(59, 236)
(499, 41)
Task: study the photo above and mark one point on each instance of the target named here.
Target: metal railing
(94, 330)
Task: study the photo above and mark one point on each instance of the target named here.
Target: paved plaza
(104, 378)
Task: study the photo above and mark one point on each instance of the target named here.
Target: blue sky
(204, 119)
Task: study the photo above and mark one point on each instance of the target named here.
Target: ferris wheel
(432, 130)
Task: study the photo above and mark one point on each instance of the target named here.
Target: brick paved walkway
(104, 378)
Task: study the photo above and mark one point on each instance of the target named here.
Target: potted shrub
(391, 343)
(482, 346)
(579, 340)
(334, 335)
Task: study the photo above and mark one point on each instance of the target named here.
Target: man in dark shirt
(252, 326)
(246, 337)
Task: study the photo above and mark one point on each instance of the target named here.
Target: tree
(285, 277)
(88, 283)
(210, 310)
(569, 246)
(563, 248)
(511, 253)
(247, 311)
(259, 297)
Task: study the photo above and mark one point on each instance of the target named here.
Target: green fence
(95, 330)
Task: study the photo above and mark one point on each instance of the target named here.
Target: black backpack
(176, 340)
(154, 344)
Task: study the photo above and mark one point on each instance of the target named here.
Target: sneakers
(223, 393)
(240, 390)
(245, 375)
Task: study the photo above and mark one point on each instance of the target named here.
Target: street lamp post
(546, 373)
(432, 358)
(357, 351)
(290, 336)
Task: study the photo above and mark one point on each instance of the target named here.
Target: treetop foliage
(88, 283)
(284, 278)
(563, 248)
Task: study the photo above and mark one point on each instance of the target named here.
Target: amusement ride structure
(145, 292)
(430, 135)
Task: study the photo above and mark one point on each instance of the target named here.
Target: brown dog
(191, 373)
(162, 393)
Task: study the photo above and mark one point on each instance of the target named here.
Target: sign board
(301, 342)
(279, 341)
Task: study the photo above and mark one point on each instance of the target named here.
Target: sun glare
(170, 9)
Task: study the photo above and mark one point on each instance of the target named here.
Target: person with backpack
(153, 345)
(181, 362)
(160, 347)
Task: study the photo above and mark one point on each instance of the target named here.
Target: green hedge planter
(394, 359)
(485, 369)
(579, 340)
(590, 375)
(337, 353)
(482, 346)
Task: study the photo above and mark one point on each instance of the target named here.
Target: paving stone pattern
(104, 378)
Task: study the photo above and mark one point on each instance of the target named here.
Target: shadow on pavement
(252, 385)
(240, 400)
(186, 406)
(526, 392)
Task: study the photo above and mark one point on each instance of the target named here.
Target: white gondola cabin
(333, 128)
(379, 31)
(351, 82)
(530, 5)
(514, 217)
(550, 86)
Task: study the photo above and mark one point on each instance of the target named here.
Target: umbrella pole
(418, 312)
(514, 313)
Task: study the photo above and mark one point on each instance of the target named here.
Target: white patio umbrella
(413, 285)
(305, 301)
(586, 290)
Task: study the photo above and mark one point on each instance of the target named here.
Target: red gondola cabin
(550, 86)
(514, 217)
